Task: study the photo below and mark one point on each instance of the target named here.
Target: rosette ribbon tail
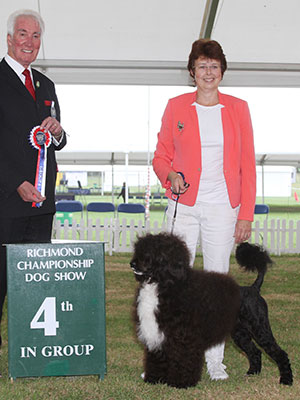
(40, 177)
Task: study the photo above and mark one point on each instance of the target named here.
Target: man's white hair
(11, 22)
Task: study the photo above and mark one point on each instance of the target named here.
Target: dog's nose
(132, 264)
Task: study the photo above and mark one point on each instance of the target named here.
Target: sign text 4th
(62, 318)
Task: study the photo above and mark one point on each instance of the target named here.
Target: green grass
(124, 354)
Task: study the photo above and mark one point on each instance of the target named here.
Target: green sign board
(56, 309)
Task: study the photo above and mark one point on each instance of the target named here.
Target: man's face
(25, 43)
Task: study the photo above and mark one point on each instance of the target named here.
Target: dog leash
(186, 185)
(175, 211)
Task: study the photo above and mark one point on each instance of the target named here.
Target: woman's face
(207, 73)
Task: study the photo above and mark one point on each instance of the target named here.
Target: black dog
(181, 312)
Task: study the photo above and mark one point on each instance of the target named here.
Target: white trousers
(215, 225)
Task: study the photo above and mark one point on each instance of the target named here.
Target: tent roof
(102, 158)
(284, 159)
(141, 158)
(142, 42)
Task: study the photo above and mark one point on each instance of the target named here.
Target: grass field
(124, 354)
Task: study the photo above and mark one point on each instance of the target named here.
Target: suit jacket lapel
(13, 80)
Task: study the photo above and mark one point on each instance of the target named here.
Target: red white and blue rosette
(40, 139)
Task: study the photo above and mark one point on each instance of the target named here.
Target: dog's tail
(253, 258)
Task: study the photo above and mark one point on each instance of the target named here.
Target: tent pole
(263, 183)
(126, 177)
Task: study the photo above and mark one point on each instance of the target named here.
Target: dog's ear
(178, 270)
(172, 259)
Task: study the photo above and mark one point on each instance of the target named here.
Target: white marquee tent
(147, 42)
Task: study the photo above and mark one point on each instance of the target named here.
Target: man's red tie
(28, 82)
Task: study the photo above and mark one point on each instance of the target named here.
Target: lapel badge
(37, 84)
(180, 126)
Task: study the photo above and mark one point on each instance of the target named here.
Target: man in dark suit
(30, 133)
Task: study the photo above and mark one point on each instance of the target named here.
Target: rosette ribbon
(40, 139)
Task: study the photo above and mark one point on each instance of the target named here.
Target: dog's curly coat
(181, 312)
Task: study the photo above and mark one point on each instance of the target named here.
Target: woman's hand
(242, 230)
(177, 183)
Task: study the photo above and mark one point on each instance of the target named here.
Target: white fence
(118, 236)
(278, 236)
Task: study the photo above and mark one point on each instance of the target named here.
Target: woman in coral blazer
(179, 149)
(206, 140)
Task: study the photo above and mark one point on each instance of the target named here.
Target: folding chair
(100, 207)
(66, 208)
(131, 208)
(261, 209)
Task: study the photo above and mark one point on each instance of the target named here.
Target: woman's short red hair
(209, 49)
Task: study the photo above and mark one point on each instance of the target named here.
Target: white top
(212, 187)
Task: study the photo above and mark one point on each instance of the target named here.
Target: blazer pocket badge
(180, 126)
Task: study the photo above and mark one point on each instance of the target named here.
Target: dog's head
(162, 258)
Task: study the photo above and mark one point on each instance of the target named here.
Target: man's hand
(51, 124)
(29, 193)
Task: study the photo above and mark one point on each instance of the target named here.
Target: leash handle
(186, 185)
(175, 213)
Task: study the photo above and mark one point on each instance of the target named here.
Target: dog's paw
(253, 371)
(153, 380)
(216, 371)
(286, 380)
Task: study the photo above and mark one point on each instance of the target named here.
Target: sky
(127, 118)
